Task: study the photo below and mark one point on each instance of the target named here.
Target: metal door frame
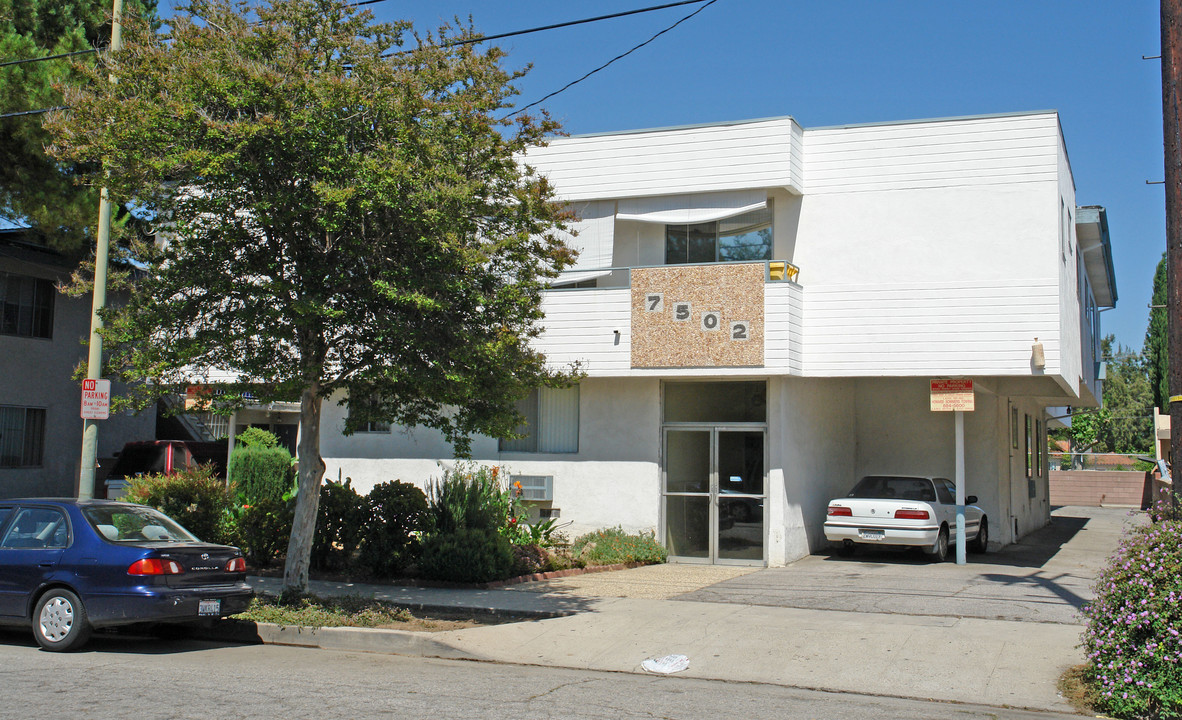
(713, 492)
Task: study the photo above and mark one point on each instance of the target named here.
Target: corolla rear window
(135, 524)
(900, 488)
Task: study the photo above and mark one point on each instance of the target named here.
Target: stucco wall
(812, 452)
(612, 480)
(39, 373)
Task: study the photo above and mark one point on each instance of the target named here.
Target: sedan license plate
(209, 607)
(872, 534)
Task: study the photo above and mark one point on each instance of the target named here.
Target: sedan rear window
(901, 488)
(135, 524)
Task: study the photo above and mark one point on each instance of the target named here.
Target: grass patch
(1075, 687)
(312, 611)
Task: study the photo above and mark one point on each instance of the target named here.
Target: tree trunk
(311, 472)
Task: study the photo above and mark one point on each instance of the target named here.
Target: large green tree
(346, 216)
(1124, 423)
(36, 189)
(1157, 341)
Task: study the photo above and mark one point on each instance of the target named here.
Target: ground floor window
(551, 422)
(22, 436)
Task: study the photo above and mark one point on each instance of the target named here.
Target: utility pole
(94, 360)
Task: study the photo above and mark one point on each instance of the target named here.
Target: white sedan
(904, 511)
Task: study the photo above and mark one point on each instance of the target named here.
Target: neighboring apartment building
(759, 309)
(41, 342)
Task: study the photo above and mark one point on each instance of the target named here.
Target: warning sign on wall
(952, 394)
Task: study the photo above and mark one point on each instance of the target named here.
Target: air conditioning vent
(535, 488)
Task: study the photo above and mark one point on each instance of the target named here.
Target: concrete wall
(1097, 488)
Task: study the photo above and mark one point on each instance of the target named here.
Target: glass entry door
(714, 494)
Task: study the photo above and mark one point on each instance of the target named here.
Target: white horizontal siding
(783, 312)
(974, 328)
(754, 154)
(580, 325)
(967, 151)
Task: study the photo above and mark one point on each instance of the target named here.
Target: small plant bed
(355, 611)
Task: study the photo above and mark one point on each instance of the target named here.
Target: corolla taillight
(838, 510)
(236, 565)
(911, 515)
(155, 566)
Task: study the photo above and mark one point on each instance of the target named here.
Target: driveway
(1046, 577)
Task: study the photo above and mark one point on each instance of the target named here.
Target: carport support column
(960, 544)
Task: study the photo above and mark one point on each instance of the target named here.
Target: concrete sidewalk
(790, 626)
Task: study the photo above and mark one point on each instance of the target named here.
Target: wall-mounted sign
(698, 316)
(952, 394)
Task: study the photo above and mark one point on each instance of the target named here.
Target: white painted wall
(702, 158)
(612, 480)
(812, 459)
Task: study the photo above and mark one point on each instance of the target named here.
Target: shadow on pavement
(161, 641)
(1033, 551)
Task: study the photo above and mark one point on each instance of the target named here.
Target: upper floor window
(26, 306)
(741, 237)
(22, 436)
(551, 422)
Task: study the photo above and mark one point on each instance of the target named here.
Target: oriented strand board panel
(698, 316)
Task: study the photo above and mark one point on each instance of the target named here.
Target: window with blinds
(551, 422)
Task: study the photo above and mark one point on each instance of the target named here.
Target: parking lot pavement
(1046, 577)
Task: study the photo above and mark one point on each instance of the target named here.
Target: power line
(48, 57)
(467, 41)
(514, 33)
(609, 62)
(34, 112)
(576, 22)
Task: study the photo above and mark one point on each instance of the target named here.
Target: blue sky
(833, 62)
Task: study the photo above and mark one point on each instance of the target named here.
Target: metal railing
(1097, 461)
(773, 271)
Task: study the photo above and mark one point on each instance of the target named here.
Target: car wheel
(980, 543)
(59, 622)
(939, 551)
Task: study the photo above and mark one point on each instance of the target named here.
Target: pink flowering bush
(1131, 635)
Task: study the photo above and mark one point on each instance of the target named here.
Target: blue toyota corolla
(69, 566)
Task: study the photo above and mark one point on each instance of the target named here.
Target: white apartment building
(759, 309)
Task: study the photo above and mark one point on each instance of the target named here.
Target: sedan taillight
(911, 515)
(839, 510)
(155, 566)
(236, 565)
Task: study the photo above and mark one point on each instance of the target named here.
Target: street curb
(376, 640)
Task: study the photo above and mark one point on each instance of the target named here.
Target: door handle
(45, 565)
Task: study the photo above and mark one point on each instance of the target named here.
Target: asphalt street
(121, 677)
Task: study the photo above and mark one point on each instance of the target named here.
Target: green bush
(261, 472)
(340, 525)
(263, 529)
(468, 555)
(469, 497)
(1131, 634)
(611, 546)
(396, 512)
(256, 437)
(193, 497)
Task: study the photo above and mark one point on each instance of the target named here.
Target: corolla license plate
(872, 534)
(209, 607)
